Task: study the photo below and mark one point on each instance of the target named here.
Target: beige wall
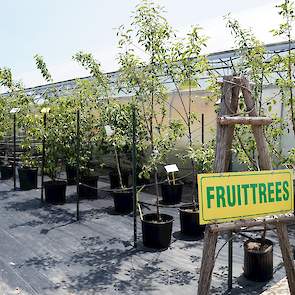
(201, 104)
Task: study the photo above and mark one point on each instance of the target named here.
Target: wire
(138, 187)
(165, 205)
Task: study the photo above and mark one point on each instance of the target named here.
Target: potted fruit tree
(184, 64)
(258, 258)
(172, 189)
(203, 157)
(31, 126)
(6, 133)
(55, 189)
(142, 80)
(116, 118)
(91, 96)
(21, 106)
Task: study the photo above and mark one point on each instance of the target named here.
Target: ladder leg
(287, 255)
(208, 261)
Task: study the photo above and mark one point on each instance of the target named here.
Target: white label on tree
(45, 110)
(171, 168)
(109, 130)
(14, 110)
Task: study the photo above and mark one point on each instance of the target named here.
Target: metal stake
(14, 151)
(43, 158)
(203, 135)
(134, 173)
(230, 261)
(78, 163)
(230, 246)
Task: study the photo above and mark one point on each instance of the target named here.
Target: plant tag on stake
(45, 110)
(171, 169)
(109, 130)
(14, 110)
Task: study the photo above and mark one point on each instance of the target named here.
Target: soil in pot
(55, 191)
(6, 172)
(115, 180)
(28, 178)
(189, 221)
(123, 201)
(71, 173)
(89, 189)
(171, 193)
(157, 234)
(258, 260)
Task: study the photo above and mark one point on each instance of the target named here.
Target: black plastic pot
(71, 173)
(55, 191)
(115, 180)
(171, 193)
(258, 263)
(89, 189)
(123, 201)
(6, 172)
(28, 178)
(157, 234)
(189, 221)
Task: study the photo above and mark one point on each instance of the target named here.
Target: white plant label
(14, 110)
(171, 168)
(109, 130)
(45, 110)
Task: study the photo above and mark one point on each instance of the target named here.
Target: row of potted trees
(141, 80)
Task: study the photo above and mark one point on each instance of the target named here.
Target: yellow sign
(224, 197)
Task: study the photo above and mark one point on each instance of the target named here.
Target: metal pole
(230, 248)
(14, 151)
(43, 158)
(78, 163)
(203, 135)
(134, 174)
(230, 262)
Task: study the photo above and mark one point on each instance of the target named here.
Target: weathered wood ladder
(227, 118)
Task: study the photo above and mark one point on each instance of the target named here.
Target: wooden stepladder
(227, 118)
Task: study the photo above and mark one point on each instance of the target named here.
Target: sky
(57, 29)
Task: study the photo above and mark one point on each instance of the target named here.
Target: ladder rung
(227, 120)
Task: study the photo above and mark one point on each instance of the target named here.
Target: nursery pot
(258, 261)
(89, 190)
(123, 201)
(115, 180)
(28, 178)
(71, 173)
(171, 193)
(157, 233)
(189, 221)
(6, 172)
(55, 191)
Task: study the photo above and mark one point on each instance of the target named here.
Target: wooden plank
(240, 224)
(226, 120)
(287, 255)
(208, 261)
(261, 144)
